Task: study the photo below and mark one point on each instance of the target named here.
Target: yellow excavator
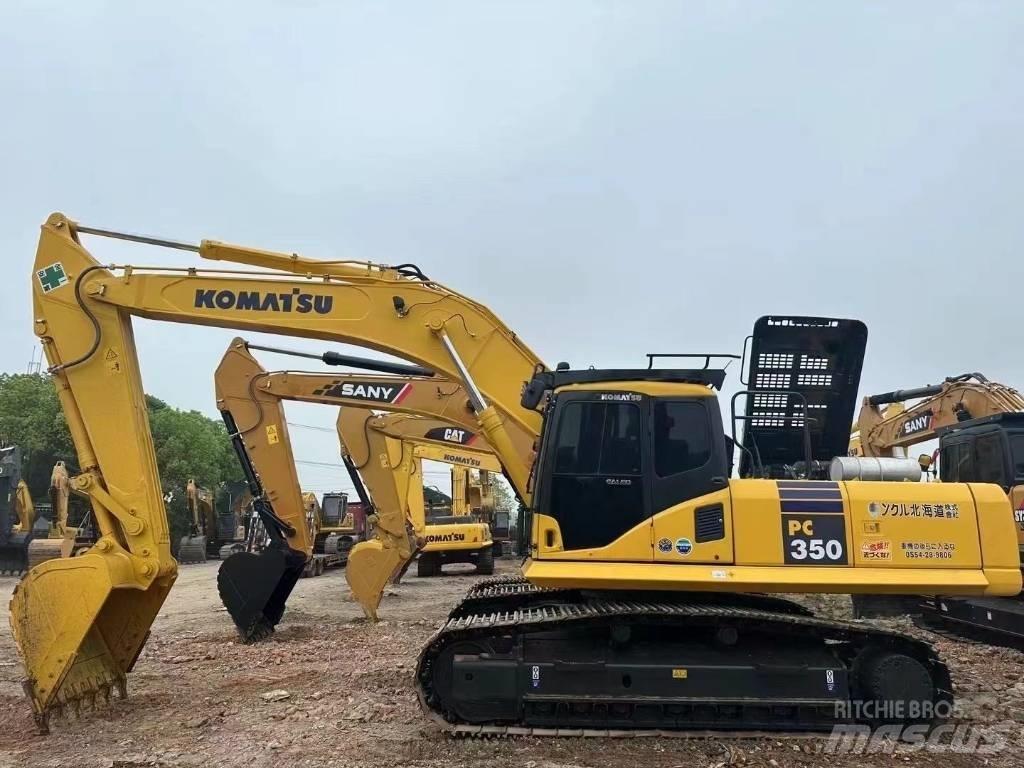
(641, 600)
(388, 452)
(17, 513)
(202, 524)
(250, 400)
(889, 431)
(980, 427)
(472, 492)
(477, 488)
(337, 532)
(60, 539)
(319, 561)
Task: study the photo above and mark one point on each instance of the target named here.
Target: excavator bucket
(371, 567)
(14, 554)
(79, 624)
(255, 587)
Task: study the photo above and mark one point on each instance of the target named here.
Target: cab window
(599, 438)
(682, 440)
(988, 459)
(597, 488)
(949, 463)
(685, 462)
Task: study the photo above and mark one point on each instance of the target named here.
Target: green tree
(188, 444)
(504, 500)
(30, 416)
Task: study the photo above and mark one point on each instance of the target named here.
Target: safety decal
(876, 549)
(665, 545)
(52, 277)
(684, 546)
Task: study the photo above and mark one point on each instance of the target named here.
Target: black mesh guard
(818, 357)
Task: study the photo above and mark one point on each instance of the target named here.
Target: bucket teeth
(259, 630)
(42, 722)
(82, 700)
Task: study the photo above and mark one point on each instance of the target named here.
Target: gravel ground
(199, 698)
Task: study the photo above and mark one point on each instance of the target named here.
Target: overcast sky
(610, 178)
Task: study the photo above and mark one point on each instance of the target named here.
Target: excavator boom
(79, 623)
(969, 396)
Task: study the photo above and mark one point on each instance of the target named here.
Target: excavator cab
(618, 447)
(987, 450)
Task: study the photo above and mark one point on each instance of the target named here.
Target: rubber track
(472, 626)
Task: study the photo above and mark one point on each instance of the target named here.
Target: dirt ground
(196, 696)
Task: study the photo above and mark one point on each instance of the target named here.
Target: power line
(310, 426)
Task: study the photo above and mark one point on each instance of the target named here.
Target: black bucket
(254, 588)
(14, 554)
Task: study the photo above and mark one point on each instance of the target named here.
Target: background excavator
(332, 552)
(17, 513)
(388, 452)
(656, 555)
(202, 525)
(980, 428)
(245, 387)
(889, 431)
(60, 538)
(338, 531)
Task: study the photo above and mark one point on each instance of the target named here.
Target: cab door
(692, 520)
(595, 492)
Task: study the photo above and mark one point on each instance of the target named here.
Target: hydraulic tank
(875, 468)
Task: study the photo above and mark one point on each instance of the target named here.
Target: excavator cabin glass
(987, 450)
(618, 458)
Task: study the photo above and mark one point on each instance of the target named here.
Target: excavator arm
(80, 623)
(387, 451)
(60, 494)
(251, 401)
(25, 508)
(958, 398)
